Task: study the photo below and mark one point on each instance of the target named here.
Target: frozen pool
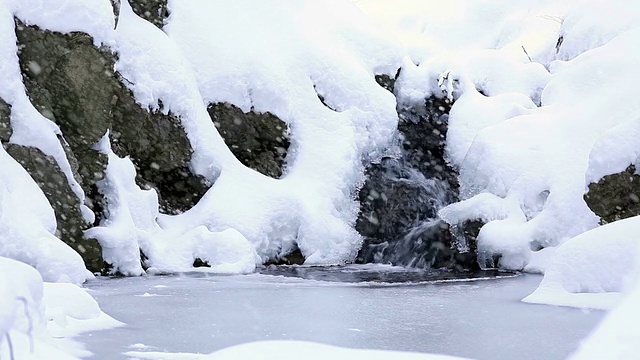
(481, 319)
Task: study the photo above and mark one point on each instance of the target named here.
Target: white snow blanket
(265, 350)
(38, 320)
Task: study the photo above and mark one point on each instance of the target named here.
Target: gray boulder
(259, 140)
(615, 196)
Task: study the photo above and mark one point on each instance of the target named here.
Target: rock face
(259, 140)
(5, 121)
(402, 194)
(616, 196)
(66, 205)
(73, 83)
(54, 184)
(154, 11)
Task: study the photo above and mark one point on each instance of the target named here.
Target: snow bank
(274, 349)
(617, 337)
(32, 316)
(592, 269)
(538, 87)
(27, 225)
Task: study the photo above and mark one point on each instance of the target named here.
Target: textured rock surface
(54, 184)
(154, 11)
(615, 196)
(5, 121)
(259, 141)
(402, 194)
(73, 83)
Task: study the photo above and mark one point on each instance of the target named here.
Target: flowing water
(373, 306)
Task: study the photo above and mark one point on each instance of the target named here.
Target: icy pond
(381, 309)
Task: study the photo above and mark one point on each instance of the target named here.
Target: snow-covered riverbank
(202, 314)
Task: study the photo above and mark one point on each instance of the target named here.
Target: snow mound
(37, 322)
(131, 226)
(27, 225)
(617, 337)
(592, 269)
(273, 349)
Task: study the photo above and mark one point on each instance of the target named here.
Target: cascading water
(403, 193)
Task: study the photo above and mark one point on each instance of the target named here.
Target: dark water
(375, 273)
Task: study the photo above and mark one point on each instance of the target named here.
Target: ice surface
(479, 320)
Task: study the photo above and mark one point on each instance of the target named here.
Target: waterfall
(404, 191)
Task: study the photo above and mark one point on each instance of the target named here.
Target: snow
(272, 349)
(544, 104)
(616, 338)
(282, 52)
(131, 226)
(593, 269)
(27, 225)
(38, 321)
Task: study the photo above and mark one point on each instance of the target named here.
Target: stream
(366, 306)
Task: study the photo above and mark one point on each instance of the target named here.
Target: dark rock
(259, 140)
(615, 196)
(387, 82)
(5, 121)
(295, 257)
(160, 150)
(69, 81)
(154, 11)
(73, 83)
(403, 193)
(54, 184)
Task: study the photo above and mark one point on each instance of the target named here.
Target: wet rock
(259, 140)
(5, 121)
(154, 11)
(52, 181)
(403, 193)
(294, 257)
(615, 196)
